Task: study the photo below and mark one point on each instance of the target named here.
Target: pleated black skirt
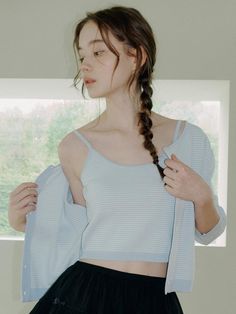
(92, 289)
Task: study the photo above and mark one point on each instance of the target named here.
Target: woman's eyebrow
(93, 42)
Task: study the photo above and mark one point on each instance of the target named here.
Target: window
(35, 114)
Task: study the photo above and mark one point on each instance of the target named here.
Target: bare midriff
(155, 269)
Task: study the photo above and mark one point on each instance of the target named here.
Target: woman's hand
(183, 182)
(22, 200)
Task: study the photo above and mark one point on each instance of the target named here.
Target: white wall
(197, 40)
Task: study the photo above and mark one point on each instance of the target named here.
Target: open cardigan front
(54, 230)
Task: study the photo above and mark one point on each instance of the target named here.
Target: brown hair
(130, 27)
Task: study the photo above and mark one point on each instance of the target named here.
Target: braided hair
(128, 26)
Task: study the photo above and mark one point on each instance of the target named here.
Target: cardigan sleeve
(207, 171)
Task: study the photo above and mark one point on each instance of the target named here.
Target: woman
(114, 160)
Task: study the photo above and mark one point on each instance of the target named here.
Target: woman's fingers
(25, 195)
(29, 200)
(23, 186)
(22, 200)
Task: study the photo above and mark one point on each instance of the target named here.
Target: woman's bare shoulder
(72, 151)
(162, 123)
(159, 119)
(70, 139)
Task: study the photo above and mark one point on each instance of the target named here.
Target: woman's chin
(93, 94)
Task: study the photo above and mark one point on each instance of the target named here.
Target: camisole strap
(176, 133)
(88, 144)
(83, 138)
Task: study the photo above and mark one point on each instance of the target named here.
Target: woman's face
(98, 63)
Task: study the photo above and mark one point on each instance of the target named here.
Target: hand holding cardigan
(185, 183)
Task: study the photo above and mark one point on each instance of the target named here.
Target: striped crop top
(130, 214)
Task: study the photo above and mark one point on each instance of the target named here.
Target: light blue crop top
(130, 214)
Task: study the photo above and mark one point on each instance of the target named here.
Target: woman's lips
(89, 82)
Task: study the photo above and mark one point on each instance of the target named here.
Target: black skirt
(92, 289)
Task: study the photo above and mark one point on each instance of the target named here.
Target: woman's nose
(85, 65)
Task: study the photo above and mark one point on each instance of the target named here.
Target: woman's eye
(97, 52)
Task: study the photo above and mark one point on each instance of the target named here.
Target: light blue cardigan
(53, 232)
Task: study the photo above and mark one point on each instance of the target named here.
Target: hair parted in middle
(128, 26)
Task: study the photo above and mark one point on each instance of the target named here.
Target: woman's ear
(133, 53)
(144, 56)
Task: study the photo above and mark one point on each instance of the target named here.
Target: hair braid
(134, 32)
(146, 122)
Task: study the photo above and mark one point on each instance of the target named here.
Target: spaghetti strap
(83, 138)
(88, 144)
(178, 123)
